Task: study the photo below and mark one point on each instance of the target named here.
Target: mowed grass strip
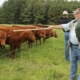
(42, 62)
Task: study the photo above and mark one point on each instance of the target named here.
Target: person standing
(74, 43)
(65, 19)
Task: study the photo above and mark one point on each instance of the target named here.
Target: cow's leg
(19, 48)
(40, 41)
(36, 41)
(44, 40)
(29, 44)
(12, 50)
(2, 46)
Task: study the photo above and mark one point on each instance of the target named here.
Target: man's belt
(67, 31)
(75, 44)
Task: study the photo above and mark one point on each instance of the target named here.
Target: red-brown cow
(38, 33)
(3, 36)
(50, 33)
(17, 38)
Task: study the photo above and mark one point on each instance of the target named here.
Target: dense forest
(35, 11)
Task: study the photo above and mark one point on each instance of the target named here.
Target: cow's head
(30, 36)
(54, 34)
(3, 36)
(41, 33)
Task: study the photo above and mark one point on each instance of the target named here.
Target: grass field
(42, 62)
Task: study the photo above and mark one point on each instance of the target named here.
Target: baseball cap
(76, 11)
(65, 13)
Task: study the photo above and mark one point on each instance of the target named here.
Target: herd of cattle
(16, 35)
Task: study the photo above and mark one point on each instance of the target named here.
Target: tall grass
(42, 62)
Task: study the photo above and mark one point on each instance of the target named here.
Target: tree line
(35, 11)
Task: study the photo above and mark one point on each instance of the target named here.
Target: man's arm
(56, 27)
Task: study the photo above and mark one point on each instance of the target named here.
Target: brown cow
(17, 38)
(38, 33)
(50, 33)
(47, 32)
(3, 36)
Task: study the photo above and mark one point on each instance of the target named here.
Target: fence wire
(25, 45)
(5, 54)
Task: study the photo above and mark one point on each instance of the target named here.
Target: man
(65, 20)
(75, 50)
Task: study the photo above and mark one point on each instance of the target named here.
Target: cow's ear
(8, 34)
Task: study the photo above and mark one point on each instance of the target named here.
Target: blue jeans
(66, 36)
(74, 58)
(79, 78)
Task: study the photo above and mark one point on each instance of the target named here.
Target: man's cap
(76, 11)
(65, 13)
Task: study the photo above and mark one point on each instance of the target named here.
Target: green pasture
(42, 62)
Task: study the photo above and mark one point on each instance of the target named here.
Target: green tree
(35, 11)
(12, 10)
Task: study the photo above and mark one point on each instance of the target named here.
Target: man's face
(77, 15)
(65, 16)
